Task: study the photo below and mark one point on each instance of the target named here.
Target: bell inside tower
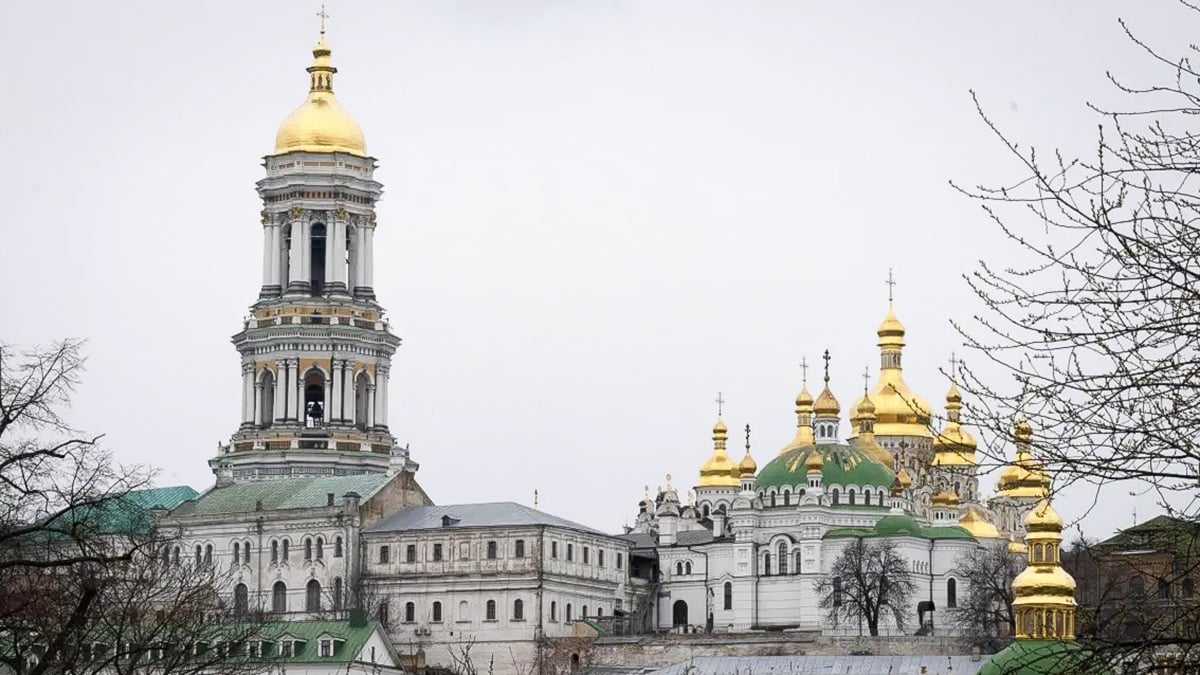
(314, 399)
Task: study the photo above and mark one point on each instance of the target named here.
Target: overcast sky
(597, 214)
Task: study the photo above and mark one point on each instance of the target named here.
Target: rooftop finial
(891, 283)
(953, 367)
(866, 379)
(826, 357)
(323, 15)
(747, 438)
(535, 499)
(804, 370)
(720, 405)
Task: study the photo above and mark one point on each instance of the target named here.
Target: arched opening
(241, 599)
(837, 591)
(687, 567)
(574, 663)
(337, 592)
(308, 548)
(312, 596)
(568, 614)
(316, 277)
(314, 398)
(518, 610)
(796, 569)
(834, 495)
(362, 400)
(463, 611)
(410, 612)
(381, 613)
(679, 613)
(490, 611)
(679, 569)
(246, 552)
(728, 594)
(850, 494)
(704, 510)
(266, 398)
(951, 593)
(279, 597)
(783, 558)
(437, 611)
(337, 547)
(766, 564)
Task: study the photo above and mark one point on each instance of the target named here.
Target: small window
(308, 549)
(951, 593)
(286, 544)
(553, 610)
(679, 568)
(326, 648)
(437, 611)
(410, 612)
(728, 604)
(554, 549)
(519, 549)
(246, 552)
(568, 615)
(837, 591)
(600, 557)
(437, 552)
(766, 564)
(518, 610)
(586, 558)
(337, 547)
(490, 611)
(381, 613)
(687, 567)
(583, 612)
(570, 552)
(383, 554)
(199, 555)
(1164, 590)
(320, 548)
(237, 553)
(491, 550)
(783, 557)
(312, 596)
(620, 561)
(337, 592)
(410, 553)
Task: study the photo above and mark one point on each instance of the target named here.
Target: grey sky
(597, 214)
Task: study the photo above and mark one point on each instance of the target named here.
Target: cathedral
(316, 507)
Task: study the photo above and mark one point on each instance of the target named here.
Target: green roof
(352, 638)
(842, 465)
(900, 525)
(126, 514)
(281, 494)
(1043, 657)
(1161, 533)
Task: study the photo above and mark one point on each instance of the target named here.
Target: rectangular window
(383, 554)
(326, 647)
(437, 552)
(491, 550)
(410, 553)
(554, 550)
(570, 552)
(519, 549)
(600, 557)
(437, 611)
(585, 555)
(620, 561)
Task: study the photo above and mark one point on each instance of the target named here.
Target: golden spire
(1044, 593)
(1025, 477)
(804, 412)
(826, 404)
(747, 467)
(719, 470)
(954, 446)
(320, 124)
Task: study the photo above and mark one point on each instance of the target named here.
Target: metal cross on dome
(826, 357)
(804, 369)
(323, 15)
(891, 284)
(720, 405)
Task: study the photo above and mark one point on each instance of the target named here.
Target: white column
(349, 387)
(297, 392)
(247, 393)
(371, 406)
(268, 254)
(335, 254)
(381, 396)
(258, 411)
(295, 259)
(305, 251)
(360, 254)
(280, 378)
(369, 263)
(328, 411)
(277, 255)
(335, 396)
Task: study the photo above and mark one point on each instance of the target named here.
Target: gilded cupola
(804, 414)
(898, 410)
(954, 446)
(320, 124)
(1025, 477)
(825, 410)
(747, 467)
(979, 527)
(865, 416)
(1044, 593)
(719, 470)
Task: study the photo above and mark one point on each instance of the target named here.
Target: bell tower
(316, 349)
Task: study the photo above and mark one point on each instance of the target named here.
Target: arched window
(381, 613)
(568, 614)
(687, 567)
(553, 611)
(766, 564)
(285, 549)
(266, 398)
(437, 611)
(410, 612)
(208, 551)
(796, 570)
(237, 552)
(787, 497)
(518, 610)
(837, 591)
(850, 494)
(274, 552)
(317, 258)
(279, 597)
(320, 548)
(728, 590)
(583, 612)
(704, 510)
(772, 499)
(175, 556)
(867, 497)
(463, 611)
(241, 599)
(783, 557)
(246, 552)
(312, 596)
(599, 611)
(337, 547)
(951, 593)
(337, 592)
(490, 611)
(1189, 588)
(314, 398)
(166, 556)
(362, 400)
(834, 495)
(1164, 590)
(308, 548)
(679, 569)
(199, 555)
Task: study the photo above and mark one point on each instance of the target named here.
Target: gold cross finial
(747, 439)
(826, 357)
(891, 283)
(720, 405)
(953, 366)
(323, 15)
(866, 379)
(804, 370)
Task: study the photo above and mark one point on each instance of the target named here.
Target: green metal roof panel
(1043, 657)
(900, 525)
(282, 494)
(842, 465)
(352, 638)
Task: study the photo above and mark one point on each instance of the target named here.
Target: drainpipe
(932, 606)
(539, 631)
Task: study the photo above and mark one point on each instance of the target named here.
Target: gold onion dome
(826, 405)
(977, 525)
(719, 470)
(954, 446)
(804, 431)
(814, 462)
(865, 416)
(1044, 593)
(1025, 477)
(898, 410)
(320, 124)
(747, 467)
(945, 498)
(904, 478)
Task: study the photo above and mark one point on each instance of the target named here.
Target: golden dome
(1043, 518)
(1025, 477)
(320, 124)
(866, 437)
(826, 404)
(979, 527)
(748, 467)
(814, 462)
(898, 411)
(891, 331)
(804, 399)
(719, 470)
(1044, 593)
(904, 478)
(953, 445)
(1017, 548)
(946, 499)
(804, 431)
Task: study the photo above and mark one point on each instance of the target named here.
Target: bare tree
(868, 582)
(985, 611)
(89, 582)
(1095, 314)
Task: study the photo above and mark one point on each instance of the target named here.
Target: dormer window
(326, 648)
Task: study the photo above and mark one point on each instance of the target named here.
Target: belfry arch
(314, 398)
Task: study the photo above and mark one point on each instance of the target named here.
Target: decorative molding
(295, 212)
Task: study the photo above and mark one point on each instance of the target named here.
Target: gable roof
(282, 494)
(1159, 533)
(353, 638)
(124, 514)
(492, 514)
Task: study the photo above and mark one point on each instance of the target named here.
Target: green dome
(1043, 657)
(900, 525)
(843, 465)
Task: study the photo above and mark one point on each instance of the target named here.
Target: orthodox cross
(826, 357)
(720, 404)
(866, 379)
(804, 370)
(747, 439)
(535, 499)
(323, 15)
(953, 366)
(891, 284)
